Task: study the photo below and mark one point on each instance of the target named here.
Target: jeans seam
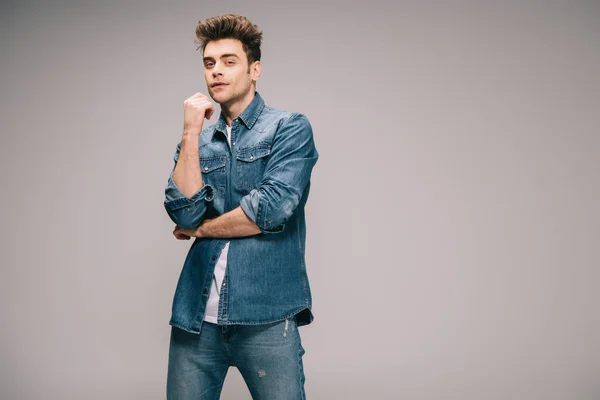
(218, 393)
(301, 377)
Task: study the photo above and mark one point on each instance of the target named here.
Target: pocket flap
(253, 153)
(210, 164)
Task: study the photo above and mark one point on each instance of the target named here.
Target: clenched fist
(195, 109)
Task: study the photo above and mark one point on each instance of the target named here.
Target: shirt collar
(248, 116)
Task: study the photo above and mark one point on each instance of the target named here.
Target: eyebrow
(223, 56)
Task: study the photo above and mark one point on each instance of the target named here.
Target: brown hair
(230, 26)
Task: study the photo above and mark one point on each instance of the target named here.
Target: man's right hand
(195, 109)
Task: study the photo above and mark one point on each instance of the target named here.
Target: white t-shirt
(212, 306)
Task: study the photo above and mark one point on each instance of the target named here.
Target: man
(239, 187)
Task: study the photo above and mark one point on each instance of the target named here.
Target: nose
(216, 70)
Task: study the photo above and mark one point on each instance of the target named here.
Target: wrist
(191, 133)
(201, 231)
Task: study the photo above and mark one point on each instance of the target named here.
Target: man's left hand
(187, 233)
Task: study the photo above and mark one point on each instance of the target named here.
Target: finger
(207, 105)
(186, 232)
(209, 109)
(177, 233)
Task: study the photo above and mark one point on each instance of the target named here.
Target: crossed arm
(234, 223)
(265, 209)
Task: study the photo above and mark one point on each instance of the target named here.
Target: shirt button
(252, 157)
(214, 258)
(206, 168)
(224, 283)
(205, 290)
(233, 143)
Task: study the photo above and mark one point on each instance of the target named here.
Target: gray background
(453, 224)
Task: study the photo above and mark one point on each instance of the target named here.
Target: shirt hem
(262, 322)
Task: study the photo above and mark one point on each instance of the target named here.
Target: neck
(233, 110)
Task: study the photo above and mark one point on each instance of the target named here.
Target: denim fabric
(266, 171)
(269, 358)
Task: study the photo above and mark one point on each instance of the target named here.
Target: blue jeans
(269, 358)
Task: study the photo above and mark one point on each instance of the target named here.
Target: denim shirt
(267, 172)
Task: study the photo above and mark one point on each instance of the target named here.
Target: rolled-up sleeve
(287, 175)
(185, 212)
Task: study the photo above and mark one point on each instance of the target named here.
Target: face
(225, 61)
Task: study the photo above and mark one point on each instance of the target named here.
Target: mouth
(219, 85)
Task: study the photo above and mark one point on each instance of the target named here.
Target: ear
(255, 70)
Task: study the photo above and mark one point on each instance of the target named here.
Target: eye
(208, 64)
(230, 62)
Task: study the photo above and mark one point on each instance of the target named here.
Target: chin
(220, 97)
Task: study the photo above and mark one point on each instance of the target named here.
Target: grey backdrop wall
(453, 224)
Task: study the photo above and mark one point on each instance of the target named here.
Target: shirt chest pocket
(213, 173)
(251, 163)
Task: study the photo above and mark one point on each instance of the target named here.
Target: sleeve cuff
(251, 205)
(177, 200)
(188, 213)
